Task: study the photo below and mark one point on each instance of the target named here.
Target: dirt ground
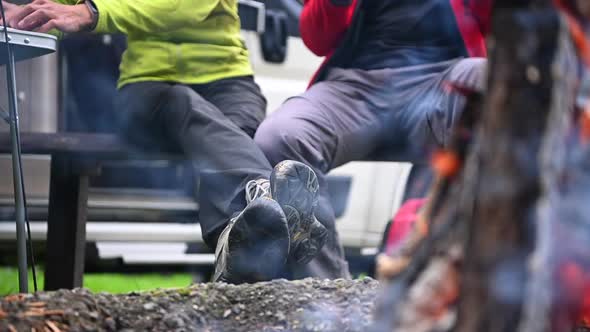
(305, 305)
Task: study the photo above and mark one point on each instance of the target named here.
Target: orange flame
(446, 163)
(575, 283)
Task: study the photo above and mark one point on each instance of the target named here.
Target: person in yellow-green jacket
(186, 85)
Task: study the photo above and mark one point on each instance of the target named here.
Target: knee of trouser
(177, 97)
(277, 140)
(176, 103)
(471, 73)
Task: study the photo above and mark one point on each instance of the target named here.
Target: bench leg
(66, 225)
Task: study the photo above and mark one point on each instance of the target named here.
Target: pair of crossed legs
(263, 219)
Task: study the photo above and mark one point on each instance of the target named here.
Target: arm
(114, 15)
(473, 19)
(324, 23)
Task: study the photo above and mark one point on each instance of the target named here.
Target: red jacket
(324, 24)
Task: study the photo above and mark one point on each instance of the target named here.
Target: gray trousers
(388, 114)
(212, 126)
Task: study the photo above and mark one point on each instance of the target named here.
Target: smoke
(92, 74)
(324, 316)
(561, 215)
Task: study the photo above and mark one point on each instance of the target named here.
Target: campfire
(508, 223)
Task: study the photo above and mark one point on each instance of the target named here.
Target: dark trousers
(395, 114)
(212, 125)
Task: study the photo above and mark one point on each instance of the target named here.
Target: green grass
(102, 282)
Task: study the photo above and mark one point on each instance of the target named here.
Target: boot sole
(295, 187)
(262, 236)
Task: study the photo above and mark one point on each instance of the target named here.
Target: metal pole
(19, 200)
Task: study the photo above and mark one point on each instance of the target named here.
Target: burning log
(493, 222)
(502, 227)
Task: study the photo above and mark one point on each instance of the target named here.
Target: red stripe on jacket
(473, 20)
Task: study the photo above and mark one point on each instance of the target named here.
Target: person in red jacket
(382, 92)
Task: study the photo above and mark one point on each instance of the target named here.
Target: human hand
(389, 267)
(10, 11)
(45, 15)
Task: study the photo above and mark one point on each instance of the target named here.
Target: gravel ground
(305, 305)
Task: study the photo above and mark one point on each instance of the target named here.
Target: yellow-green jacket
(184, 41)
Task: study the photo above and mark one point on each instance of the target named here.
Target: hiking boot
(254, 246)
(310, 246)
(295, 187)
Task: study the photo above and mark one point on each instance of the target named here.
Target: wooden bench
(74, 158)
